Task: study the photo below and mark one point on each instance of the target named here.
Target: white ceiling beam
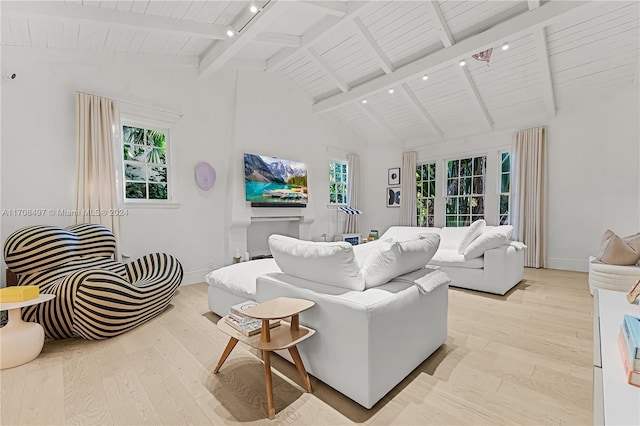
(545, 71)
(278, 39)
(316, 34)
(534, 4)
(475, 96)
(525, 23)
(420, 109)
(371, 44)
(328, 69)
(381, 124)
(447, 39)
(72, 12)
(441, 23)
(221, 52)
(333, 8)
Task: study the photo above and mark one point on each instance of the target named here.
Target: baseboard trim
(194, 277)
(578, 265)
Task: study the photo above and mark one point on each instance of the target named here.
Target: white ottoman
(612, 277)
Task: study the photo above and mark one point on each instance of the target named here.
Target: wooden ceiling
(338, 53)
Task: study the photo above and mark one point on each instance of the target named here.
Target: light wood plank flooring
(525, 358)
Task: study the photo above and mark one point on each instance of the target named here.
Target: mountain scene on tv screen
(269, 179)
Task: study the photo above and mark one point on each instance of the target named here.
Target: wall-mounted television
(274, 182)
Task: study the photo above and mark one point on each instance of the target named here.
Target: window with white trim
(426, 193)
(338, 176)
(505, 187)
(465, 190)
(145, 156)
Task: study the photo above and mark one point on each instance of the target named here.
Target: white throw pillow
(327, 263)
(492, 238)
(475, 230)
(395, 258)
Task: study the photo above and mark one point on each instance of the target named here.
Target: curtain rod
(133, 103)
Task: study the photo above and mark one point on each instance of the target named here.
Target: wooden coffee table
(285, 336)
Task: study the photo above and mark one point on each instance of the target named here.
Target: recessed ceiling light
(391, 91)
(463, 63)
(364, 101)
(230, 32)
(425, 77)
(253, 8)
(505, 45)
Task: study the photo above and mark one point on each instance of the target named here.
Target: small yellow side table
(20, 342)
(285, 336)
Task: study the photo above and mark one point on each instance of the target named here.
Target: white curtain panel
(353, 170)
(529, 199)
(98, 162)
(408, 209)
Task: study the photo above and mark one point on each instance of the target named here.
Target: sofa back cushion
(327, 263)
(394, 258)
(450, 237)
(490, 239)
(474, 231)
(404, 233)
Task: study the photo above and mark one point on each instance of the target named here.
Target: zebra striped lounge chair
(96, 297)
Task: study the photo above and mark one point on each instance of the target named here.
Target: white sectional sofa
(369, 336)
(497, 271)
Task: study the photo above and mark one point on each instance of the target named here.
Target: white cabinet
(615, 401)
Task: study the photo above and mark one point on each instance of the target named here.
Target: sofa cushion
(328, 263)
(404, 233)
(616, 251)
(474, 231)
(491, 238)
(394, 258)
(444, 257)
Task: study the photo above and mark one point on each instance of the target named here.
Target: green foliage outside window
(144, 152)
(338, 176)
(426, 192)
(464, 201)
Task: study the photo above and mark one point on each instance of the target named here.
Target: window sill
(336, 206)
(151, 205)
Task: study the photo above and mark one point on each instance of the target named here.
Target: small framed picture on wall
(393, 197)
(394, 176)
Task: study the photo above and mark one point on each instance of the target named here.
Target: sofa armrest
(504, 266)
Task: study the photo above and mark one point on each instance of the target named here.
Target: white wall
(273, 120)
(375, 163)
(38, 147)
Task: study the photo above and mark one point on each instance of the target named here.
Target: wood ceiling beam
(534, 4)
(517, 26)
(420, 109)
(542, 52)
(278, 39)
(388, 68)
(333, 8)
(441, 23)
(333, 75)
(221, 52)
(371, 44)
(71, 12)
(447, 39)
(381, 124)
(316, 34)
(472, 90)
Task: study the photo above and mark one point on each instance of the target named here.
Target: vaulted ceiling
(390, 70)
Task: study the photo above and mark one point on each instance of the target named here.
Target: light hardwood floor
(524, 358)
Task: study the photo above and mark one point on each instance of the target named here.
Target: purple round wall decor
(205, 175)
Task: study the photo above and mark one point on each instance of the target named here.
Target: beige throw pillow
(615, 251)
